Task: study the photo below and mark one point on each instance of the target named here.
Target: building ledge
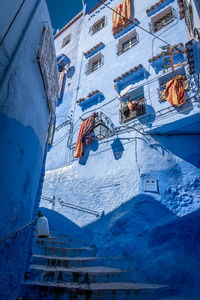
(162, 54)
(162, 60)
(128, 73)
(132, 76)
(157, 6)
(94, 50)
(96, 6)
(125, 28)
(68, 24)
(92, 98)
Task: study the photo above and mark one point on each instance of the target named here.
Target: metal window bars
(98, 25)
(128, 43)
(66, 40)
(94, 64)
(168, 18)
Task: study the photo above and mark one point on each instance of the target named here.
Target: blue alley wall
(24, 119)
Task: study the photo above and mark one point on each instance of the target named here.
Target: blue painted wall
(112, 170)
(114, 166)
(24, 120)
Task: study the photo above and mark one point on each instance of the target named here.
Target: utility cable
(135, 87)
(139, 26)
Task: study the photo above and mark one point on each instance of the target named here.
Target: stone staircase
(66, 269)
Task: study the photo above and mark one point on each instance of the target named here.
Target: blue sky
(62, 11)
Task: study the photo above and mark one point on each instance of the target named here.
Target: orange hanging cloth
(84, 136)
(79, 145)
(175, 93)
(121, 13)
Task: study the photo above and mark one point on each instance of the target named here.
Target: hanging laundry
(84, 136)
(62, 78)
(121, 13)
(175, 92)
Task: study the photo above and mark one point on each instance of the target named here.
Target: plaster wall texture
(112, 170)
(24, 120)
(65, 106)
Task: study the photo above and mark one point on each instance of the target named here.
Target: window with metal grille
(132, 105)
(167, 77)
(127, 42)
(94, 63)
(97, 26)
(66, 40)
(162, 19)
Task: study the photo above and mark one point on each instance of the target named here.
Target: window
(97, 26)
(162, 19)
(132, 105)
(167, 77)
(127, 42)
(66, 40)
(94, 63)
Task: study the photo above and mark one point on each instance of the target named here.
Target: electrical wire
(135, 87)
(60, 140)
(139, 26)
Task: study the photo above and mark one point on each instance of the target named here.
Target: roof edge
(68, 24)
(96, 6)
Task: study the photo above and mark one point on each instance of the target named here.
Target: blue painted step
(65, 242)
(100, 291)
(67, 262)
(63, 252)
(79, 275)
(66, 269)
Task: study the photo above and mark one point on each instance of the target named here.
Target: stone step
(59, 243)
(67, 261)
(63, 252)
(80, 275)
(101, 291)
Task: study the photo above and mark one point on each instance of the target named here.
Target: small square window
(162, 19)
(132, 106)
(97, 26)
(66, 40)
(127, 42)
(94, 63)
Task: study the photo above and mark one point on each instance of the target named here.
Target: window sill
(93, 98)
(124, 29)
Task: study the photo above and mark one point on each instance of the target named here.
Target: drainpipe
(14, 58)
